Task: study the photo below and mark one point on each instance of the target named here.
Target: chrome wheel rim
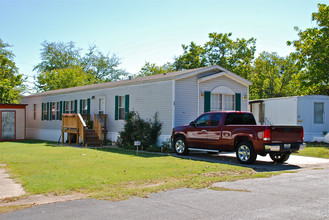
(180, 146)
(244, 153)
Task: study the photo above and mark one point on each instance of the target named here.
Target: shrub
(136, 128)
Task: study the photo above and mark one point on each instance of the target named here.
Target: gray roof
(140, 80)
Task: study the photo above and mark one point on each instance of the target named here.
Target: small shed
(12, 122)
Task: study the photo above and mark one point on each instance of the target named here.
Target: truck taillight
(267, 134)
(303, 134)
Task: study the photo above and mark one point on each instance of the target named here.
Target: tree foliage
(152, 69)
(102, 67)
(11, 83)
(64, 78)
(312, 51)
(234, 55)
(62, 66)
(273, 76)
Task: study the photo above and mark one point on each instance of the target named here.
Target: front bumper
(294, 147)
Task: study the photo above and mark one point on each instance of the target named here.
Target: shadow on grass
(259, 165)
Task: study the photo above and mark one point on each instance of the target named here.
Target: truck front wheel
(180, 146)
(279, 157)
(245, 153)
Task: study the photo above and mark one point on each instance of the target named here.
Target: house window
(53, 111)
(72, 109)
(44, 113)
(58, 117)
(318, 113)
(121, 107)
(67, 107)
(84, 107)
(34, 111)
(222, 102)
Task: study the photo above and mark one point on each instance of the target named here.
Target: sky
(144, 30)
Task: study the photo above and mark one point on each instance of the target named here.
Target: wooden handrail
(100, 125)
(81, 128)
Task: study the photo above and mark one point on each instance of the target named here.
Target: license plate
(286, 146)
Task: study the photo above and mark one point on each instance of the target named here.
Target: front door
(101, 106)
(8, 121)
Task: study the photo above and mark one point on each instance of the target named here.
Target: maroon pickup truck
(237, 131)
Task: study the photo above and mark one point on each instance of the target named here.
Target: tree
(58, 56)
(236, 56)
(152, 69)
(312, 51)
(102, 67)
(192, 57)
(273, 76)
(62, 66)
(11, 83)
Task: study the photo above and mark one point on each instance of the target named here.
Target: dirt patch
(38, 199)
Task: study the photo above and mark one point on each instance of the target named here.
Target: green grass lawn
(112, 174)
(315, 150)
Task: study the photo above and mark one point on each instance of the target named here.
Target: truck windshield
(240, 119)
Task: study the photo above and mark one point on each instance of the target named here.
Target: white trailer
(312, 112)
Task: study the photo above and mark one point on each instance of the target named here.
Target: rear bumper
(293, 147)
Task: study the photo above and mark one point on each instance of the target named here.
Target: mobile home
(178, 97)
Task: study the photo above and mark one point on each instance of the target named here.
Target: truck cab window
(240, 119)
(202, 121)
(215, 120)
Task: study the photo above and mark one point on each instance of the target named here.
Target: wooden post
(62, 135)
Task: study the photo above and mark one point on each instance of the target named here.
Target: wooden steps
(91, 138)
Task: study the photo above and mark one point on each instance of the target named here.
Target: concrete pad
(293, 159)
(8, 187)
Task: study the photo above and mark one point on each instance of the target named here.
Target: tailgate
(287, 134)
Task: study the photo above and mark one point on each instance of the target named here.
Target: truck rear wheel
(279, 157)
(245, 153)
(180, 146)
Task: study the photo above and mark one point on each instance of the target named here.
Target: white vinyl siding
(186, 100)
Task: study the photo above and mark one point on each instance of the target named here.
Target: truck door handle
(204, 131)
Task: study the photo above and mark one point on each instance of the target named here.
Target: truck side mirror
(192, 123)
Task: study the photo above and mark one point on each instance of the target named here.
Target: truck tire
(180, 146)
(279, 157)
(245, 153)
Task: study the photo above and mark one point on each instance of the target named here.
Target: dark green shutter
(50, 111)
(207, 101)
(237, 102)
(126, 106)
(64, 107)
(47, 111)
(60, 110)
(116, 107)
(88, 106)
(42, 112)
(75, 106)
(80, 106)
